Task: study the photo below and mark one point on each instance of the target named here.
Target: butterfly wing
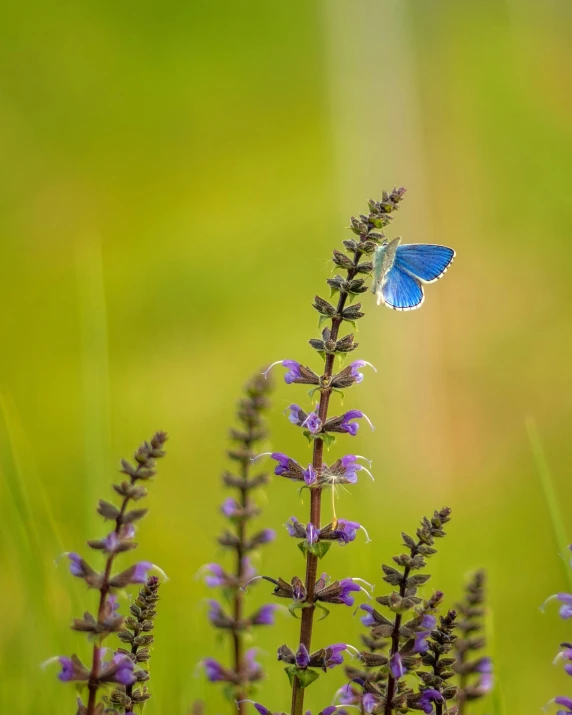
(400, 290)
(425, 261)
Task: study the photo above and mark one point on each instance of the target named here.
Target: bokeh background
(174, 176)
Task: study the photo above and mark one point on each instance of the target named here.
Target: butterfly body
(401, 270)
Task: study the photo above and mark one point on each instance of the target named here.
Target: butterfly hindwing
(401, 291)
(425, 261)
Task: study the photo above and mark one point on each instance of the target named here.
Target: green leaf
(304, 677)
(303, 546)
(293, 607)
(324, 319)
(319, 549)
(326, 611)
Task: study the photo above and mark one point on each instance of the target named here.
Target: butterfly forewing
(425, 261)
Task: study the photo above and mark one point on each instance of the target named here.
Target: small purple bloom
(347, 586)
(113, 603)
(68, 669)
(140, 572)
(262, 710)
(346, 530)
(302, 656)
(293, 371)
(428, 698)
(310, 475)
(348, 425)
(124, 672)
(265, 615)
(214, 670)
(355, 366)
(312, 534)
(282, 460)
(297, 415)
(76, 568)
(368, 620)
(567, 702)
(369, 701)
(313, 423)
(266, 536)
(566, 609)
(396, 666)
(421, 645)
(230, 508)
(298, 592)
(428, 622)
(111, 541)
(218, 576)
(334, 654)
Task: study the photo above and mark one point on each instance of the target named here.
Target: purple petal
(67, 669)
(140, 572)
(396, 666)
(75, 564)
(293, 371)
(302, 656)
(214, 670)
(310, 475)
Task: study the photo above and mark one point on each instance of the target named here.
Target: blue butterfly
(399, 271)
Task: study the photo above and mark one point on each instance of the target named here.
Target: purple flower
(67, 672)
(110, 543)
(264, 616)
(283, 461)
(396, 666)
(262, 710)
(428, 697)
(565, 654)
(347, 586)
(312, 534)
(310, 475)
(348, 425)
(566, 608)
(215, 672)
(265, 536)
(368, 620)
(231, 508)
(334, 654)
(369, 701)
(344, 470)
(293, 371)
(428, 622)
(140, 572)
(302, 656)
(313, 423)
(485, 668)
(298, 591)
(76, 568)
(357, 365)
(297, 415)
(123, 672)
(327, 711)
(218, 578)
(250, 667)
(345, 530)
(567, 702)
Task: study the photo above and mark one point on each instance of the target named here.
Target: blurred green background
(174, 176)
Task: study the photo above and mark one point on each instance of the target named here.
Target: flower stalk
(318, 426)
(239, 510)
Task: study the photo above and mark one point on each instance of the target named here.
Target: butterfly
(400, 271)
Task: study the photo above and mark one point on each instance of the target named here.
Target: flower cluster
(397, 645)
(119, 668)
(475, 671)
(239, 510)
(138, 636)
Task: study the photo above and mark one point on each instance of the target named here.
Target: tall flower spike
(397, 644)
(474, 669)
(138, 636)
(352, 269)
(239, 510)
(121, 668)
